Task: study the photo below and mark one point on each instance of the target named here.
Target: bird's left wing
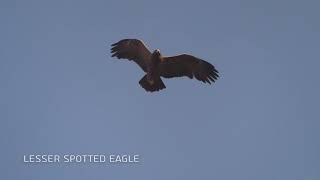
(187, 65)
(132, 49)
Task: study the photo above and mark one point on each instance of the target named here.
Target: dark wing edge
(190, 66)
(132, 49)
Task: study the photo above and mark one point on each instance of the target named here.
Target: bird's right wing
(187, 65)
(132, 49)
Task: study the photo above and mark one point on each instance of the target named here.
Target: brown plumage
(157, 66)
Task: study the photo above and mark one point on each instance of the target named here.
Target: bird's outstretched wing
(132, 49)
(187, 65)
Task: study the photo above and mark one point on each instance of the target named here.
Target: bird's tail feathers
(156, 85)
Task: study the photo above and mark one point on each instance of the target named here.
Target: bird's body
(152, 69)
(156, 66)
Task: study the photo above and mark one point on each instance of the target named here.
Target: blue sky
(61, 92)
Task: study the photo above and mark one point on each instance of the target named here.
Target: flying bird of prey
(156, 66)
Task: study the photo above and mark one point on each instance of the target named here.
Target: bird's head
(156, 52)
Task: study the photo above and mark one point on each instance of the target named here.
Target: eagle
(156, 66)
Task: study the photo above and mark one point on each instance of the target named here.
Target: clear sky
(61, 92)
